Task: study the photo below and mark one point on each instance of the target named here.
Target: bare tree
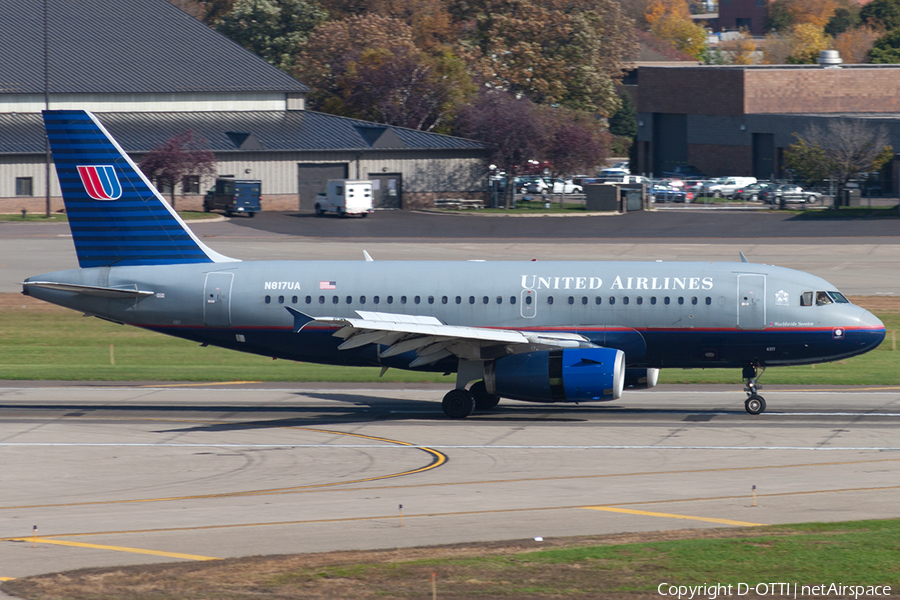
(848, 148)
(179, 157)
(574, 142)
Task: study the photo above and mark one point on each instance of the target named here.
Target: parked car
(661, 192)
(685, 171)
(531, 184)
(727, 187)
(790, 193)
(566, 186)
(751, 192)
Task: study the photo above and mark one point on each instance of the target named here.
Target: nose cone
(869, 321)
(871, 330)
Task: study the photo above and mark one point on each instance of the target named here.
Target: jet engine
(570, 375)
(641, 379)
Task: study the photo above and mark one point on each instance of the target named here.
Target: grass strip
(40, 342)
(860, 553)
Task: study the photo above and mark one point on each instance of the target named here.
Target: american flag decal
(328, 285)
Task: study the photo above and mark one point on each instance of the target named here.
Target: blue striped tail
(116, 216)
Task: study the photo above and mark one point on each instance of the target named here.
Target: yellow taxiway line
(645, 513)
(6, 578)
(179, 385)
(42, 540)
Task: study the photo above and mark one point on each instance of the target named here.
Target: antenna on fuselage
(743, 258)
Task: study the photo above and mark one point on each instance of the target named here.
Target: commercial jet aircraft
(536, 331)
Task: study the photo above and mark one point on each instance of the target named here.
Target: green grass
(66, 346)
(861, 553)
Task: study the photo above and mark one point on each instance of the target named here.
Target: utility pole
(48, 156)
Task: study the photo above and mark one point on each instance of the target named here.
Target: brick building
(738, 120)
(743, 14)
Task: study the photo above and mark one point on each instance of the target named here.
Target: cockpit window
(806, 299)
(822, 298)
(838, 297)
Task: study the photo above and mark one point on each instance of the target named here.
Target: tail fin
(116, 216)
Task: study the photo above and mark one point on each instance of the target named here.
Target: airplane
(574, 331)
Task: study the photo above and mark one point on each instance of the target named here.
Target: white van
(346, 197)
(728, 187)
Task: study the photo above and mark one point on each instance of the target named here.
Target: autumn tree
(854, 44)
(843, 149)
(273, 29)
(801, 45)
(741, 51)
(683, 34)
(784, 14)
(661, 9)
(510, 126)
(181, 156)
(565, 52)
(368, 67)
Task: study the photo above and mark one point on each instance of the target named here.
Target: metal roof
(125, 46)
(285, 130)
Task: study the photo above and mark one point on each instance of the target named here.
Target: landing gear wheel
(458, 404)
(319, 211)
(483, 400)
(755, 405)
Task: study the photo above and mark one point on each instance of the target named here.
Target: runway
(124, 474)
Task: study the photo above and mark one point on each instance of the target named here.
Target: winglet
(368, 257)
(743, 258)
(300, 319)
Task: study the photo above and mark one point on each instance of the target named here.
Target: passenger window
(471, 299)
(349, 299)
(666, 300)
(431, 300)
(584, 299)
(280, 299)
(459, 299)
(485, 300)
(640, 299)
(499, 299)
(822, 299)
(708, 301)
(362, 299)
(806, 299)
(571, 300)
(694, 300)
(528, 300)
(390, 299)
(680, 300)
(402, 299)
(268, 299)
(612, 299)
(375, 299)
(512, 299)
(652, 299)
(321, 299)
(625, 300)
(443, 299)
(293, 299)
(549, 299)
(309, 299)
(335, 299)
(598, 300)
(417, 299)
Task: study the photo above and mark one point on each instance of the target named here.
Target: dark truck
(234, 196)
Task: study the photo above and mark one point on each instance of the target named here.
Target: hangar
(150, 71)
(738, 120)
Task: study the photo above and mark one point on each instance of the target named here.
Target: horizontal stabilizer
(90, 290)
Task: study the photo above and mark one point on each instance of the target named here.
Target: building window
(190, 184)
(24, 186)
(164, 185)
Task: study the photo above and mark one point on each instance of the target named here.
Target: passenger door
(217, 299)
(751, 301)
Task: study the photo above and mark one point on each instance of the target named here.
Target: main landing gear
(460, 403)
(755, 404)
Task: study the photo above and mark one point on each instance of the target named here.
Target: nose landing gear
(755, 404)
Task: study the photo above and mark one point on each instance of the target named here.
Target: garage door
(313, 178)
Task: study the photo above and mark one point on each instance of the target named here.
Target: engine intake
(571, 375)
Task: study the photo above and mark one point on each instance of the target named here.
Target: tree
(881, 13)
(784, 14)
(624, 121)
(573, 142)
(661, 9)
(683, 34)
(741, 51)
(272, 28)
(844, 19)
(368, 67)
(181, 156)
(511, 127)
(807, 41)
(565, 52)
(854, 44)
(886, 49)
(843, 149)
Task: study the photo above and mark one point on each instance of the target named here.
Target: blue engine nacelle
(571, 375)
(641, 379)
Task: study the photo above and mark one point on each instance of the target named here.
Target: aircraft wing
(432, 340)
